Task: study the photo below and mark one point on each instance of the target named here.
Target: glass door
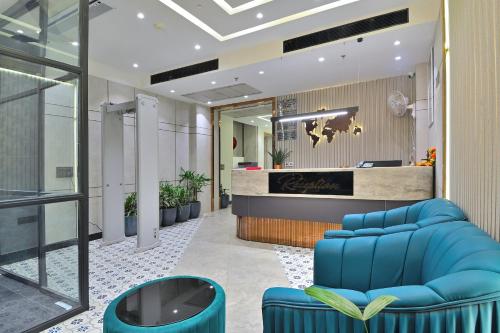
(43, 163)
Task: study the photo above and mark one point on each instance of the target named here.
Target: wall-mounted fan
(398, 104)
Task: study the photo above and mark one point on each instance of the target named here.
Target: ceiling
(165, 40)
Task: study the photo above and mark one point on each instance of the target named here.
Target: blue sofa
(446, 276)
(406, 218)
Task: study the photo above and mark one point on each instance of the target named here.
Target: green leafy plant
(345, 306)
(167, 196)
(181, 195)
(279, 156)
(131, 204)
(194, 182)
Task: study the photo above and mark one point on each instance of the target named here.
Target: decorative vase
(183, 213)
(130, 226)
(278, 166)
(169, 216)
(195, 209)
(224, 201)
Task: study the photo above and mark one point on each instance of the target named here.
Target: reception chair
(446, 276)
(401, 219)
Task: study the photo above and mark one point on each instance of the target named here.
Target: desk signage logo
(314, 183)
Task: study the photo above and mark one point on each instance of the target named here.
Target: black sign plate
(315, 183)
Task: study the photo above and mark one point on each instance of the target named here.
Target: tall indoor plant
(279, 157)
(182, 203)
(168, 204)
(131, 214)
(194, 183)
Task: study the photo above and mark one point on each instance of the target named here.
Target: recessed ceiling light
(252, 121)
(209, 102)
(75, 43)
(213, 82)
(172, 91)
(20, 31)
(398, 58)
(135, 65)
(140, 16)
(260, 16)
(321, 59)
(397, 42)
(197, 47)
(261, 72)
(246, 96)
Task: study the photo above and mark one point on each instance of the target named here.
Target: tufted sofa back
(405, 258)
(425, 212)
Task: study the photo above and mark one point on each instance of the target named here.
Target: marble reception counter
(295, 206)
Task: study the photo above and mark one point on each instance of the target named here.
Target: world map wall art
(332, 127)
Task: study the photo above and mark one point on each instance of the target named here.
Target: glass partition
(43, 163)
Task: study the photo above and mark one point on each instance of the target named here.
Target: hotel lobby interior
(242, 166)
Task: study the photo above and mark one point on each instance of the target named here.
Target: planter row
(167, 217)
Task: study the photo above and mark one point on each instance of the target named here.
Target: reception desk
(295, 206)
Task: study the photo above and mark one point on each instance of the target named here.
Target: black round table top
(165, 302)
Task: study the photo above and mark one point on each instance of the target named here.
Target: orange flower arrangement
(431, 158)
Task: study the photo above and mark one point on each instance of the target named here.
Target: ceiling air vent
(219, 94)
(191, 70)
(348, 30)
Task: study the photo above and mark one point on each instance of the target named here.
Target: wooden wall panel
(384, 135)
(474, 122)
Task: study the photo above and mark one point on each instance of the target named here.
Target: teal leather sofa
(446, 276)
(406, 218)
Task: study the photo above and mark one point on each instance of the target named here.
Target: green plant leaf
(378, 305)
(339, 303)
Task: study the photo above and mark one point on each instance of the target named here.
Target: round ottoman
(179, 304)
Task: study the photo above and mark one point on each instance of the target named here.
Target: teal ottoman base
(210, 320)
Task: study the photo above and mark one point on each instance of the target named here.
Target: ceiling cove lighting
(397, 43)
(36, 77)
(20, 23)
(140, 16)
(205, 27)
(234, 10)
(314, 116)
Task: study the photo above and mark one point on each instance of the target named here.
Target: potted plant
(131, 215)
(279, 157)
(194, 183)
(168, 204)
(224, 198)
(182, 203)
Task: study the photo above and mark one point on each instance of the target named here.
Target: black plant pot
(130, 226)
(162, 212)
(224, 200)
(195, 209)
(169, 216)
(183, 213)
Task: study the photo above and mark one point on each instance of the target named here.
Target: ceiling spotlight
(261, 72)
(321, 59)
(396, 43)
(172, 91)
(197, 47)
(246, 96)
(135, 65)
(75, 43)
(260, 16)
(398, 58)
(140, 16)
(209, 102)
(20, 31)
(252, 121)
(213, 82)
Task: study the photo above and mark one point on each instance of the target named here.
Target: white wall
(184, 141)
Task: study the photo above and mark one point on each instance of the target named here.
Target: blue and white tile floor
(116, 268)
(298, 265)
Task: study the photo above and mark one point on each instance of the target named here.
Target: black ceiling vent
(178, 73)
(347, 30)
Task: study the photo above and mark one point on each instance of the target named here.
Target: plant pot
(169, 216)
(195, 209)
(161, 216)
(278, 166)
(183, 213)
(130, 226)
(224, 201)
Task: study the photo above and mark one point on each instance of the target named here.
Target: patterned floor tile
(298, 265)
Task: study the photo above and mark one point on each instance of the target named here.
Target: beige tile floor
(244, 269)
